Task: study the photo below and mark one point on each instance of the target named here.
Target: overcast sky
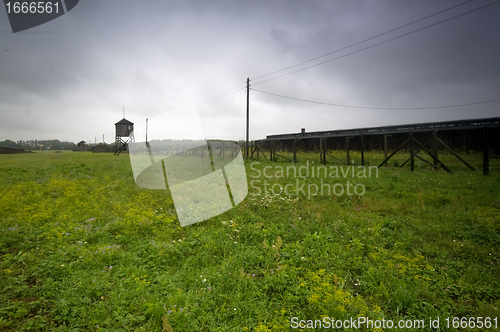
(69, 79)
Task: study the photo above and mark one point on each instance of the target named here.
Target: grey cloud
(155, 56)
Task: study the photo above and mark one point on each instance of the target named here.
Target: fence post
(486, 148)
(385, 150)
(434, 148)
(272, 151)
(294, 151)
(412, 154)
(322, 151)
(362, 151)
(347, 150)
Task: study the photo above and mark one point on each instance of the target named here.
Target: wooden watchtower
(124, 134)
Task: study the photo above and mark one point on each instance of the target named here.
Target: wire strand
(381, 108)
(368, 39)
(383, 42)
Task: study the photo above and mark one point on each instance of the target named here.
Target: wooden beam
(456, 155)
(434, 147)
(254, 148)
(320, 150)
(412, 154)
(347, 150)
(425, 161)
(486, 148)
(275, 154)
(385, 148)
(261, 150)
(416, 152)
(392, 154)
(294, 151)
(362, 151)
(334, 157)
(432, 155)
(273, 151)
(324, 151)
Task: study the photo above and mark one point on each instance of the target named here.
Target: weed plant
(82, 248)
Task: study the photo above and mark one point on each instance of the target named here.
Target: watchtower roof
(124, 122)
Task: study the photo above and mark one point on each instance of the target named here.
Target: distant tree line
(54, 144)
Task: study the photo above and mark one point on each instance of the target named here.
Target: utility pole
(248, 112)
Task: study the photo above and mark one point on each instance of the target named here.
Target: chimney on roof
(303, 130)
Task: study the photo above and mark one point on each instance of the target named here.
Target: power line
(381, 108)
(379, 43)
(368, 39)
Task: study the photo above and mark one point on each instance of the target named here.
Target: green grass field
(84, 249)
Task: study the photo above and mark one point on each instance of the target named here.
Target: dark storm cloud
(156, 56)
(449, 64)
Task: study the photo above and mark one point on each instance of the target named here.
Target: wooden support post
(254, 149)
(324, 151)
(347, 150)
(294, 151)
(210, 156)
(272, 151)
(362, 151)
(320, 150)
(434, 148)
(486, 148)
(412, 155)
(385, 149)
(248, 116)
